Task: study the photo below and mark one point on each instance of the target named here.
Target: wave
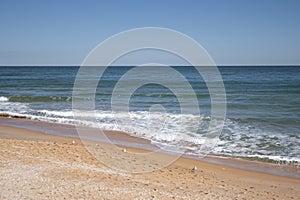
(35, 99)
(273, 159)
(3, 99)
(174, 132)
(166, 95)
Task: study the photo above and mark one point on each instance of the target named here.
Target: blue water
(262, 119)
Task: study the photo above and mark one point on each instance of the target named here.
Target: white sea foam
(57, 113)
(3, 99)
(173, 132)
(279, 159)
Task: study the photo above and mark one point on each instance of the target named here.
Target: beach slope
(34, 165)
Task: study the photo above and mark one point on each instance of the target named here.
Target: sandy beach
(35, 165)
(128, 100)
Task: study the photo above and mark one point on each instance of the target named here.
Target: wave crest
(4, 99)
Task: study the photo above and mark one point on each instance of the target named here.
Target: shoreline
(35, 164)
(125, 140)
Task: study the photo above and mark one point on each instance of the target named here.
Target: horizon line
(221, 65)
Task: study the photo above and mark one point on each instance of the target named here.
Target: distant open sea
(262, 119)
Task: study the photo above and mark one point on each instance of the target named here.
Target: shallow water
(262, 120)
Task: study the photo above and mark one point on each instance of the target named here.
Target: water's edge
(263, 166)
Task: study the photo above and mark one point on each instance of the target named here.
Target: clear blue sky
(61, 32)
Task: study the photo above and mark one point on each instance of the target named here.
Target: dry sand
(34, 165)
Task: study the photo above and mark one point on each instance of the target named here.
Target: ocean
(262, 118)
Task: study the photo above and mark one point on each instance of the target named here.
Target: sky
(234, 32)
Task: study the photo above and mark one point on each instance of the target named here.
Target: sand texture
(38, 166)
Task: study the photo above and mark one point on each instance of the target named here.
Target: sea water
(262, 119)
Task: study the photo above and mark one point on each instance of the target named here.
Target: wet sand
(34, 165)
